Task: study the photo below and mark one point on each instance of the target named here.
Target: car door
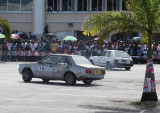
(103, 59)
(98, 58)
(45, 68)
(63, 64)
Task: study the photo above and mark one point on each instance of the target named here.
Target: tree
(6, 27)
(143, 16)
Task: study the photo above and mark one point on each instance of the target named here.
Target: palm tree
(143, 17)
(6, 27)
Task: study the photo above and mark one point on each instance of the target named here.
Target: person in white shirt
(9, 45)
(89, 49)
(32, 46)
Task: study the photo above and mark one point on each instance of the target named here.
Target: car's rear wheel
(127, 68)
(70, 79)
(108, 66)
(27, 75)
(87, 81)
(45, 80)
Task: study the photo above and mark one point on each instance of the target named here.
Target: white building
(63, 17)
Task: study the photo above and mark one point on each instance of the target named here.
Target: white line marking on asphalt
(142, 111)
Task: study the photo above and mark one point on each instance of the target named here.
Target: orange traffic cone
(149, 89)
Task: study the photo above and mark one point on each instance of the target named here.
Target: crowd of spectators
(29, 48)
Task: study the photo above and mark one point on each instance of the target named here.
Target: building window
(67, 5)
(82, 5)
(3, 5)
(111, 5)
(26, 5)
(55, 4)
(96, 5)
(124, 8)
(14, 5)
(52, 5)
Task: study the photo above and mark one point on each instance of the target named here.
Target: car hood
(90, 66)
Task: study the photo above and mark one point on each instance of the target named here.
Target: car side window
(103, 53)
(63, 60)
(50, 59)
(108, 54)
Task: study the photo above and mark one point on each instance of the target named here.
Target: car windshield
(121, 54)
(81, 60)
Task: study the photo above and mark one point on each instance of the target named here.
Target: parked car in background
(113, 59)
(69, 68)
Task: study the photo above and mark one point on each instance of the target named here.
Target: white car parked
(113, 59)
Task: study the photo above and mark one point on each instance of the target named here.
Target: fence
(23, 55)
(38, 55)
(143, 59)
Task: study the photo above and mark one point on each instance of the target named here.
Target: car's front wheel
(87, 81)
(27, 75)
(70, 79)
(127, 68)
(108, 66)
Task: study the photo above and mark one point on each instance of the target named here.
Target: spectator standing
(158, 53)
(9, 45)
(50, 9)
(59, 47)
(30, 37)
(32, 46)
(16, 32)
(154, 49)
(131, 50)
(114, 46)
(54, 47)
(139, 53)
(4, 51)
(47, 47)
(46, 29)
(154, 52)
(158, 49)
(89, 49)
(65, 48)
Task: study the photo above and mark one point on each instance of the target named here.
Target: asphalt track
(119, 92)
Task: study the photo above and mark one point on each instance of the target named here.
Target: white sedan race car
(69, 68)
(113, 59)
